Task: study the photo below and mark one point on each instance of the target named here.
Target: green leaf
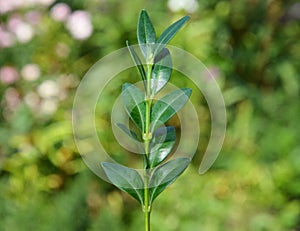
(167, 106)
(165, 175)
(146, 34)
(162, 71)
(161, 145)
(126, 179)
(133, 100)
(169, 33)
(137, 62)
(128, 131)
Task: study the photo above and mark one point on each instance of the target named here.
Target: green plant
(150, 117)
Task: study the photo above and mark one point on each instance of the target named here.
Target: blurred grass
(252, 46)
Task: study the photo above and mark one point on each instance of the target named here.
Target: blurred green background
(251, 46)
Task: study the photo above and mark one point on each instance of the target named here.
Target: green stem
(147, 207)
(147, 136)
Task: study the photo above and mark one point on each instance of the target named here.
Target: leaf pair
(130, 181)
(162, 111)
(161, 143)
(146, 35)
(161, 72)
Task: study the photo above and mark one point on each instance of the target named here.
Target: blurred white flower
(79, 25)
(190, 6)
(48, 89)
(24, 32)
(62, 50)
(30, 72)
(32, 100)
(48, 106)
(60, 12)
(68, 81)
(8, 75)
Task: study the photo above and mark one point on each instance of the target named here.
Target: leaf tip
(187, 91)
(125, 86)
(143, 11)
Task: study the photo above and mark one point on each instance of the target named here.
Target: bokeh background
(252, 47)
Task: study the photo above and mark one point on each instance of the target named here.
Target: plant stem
(147, 138)
(147, 209)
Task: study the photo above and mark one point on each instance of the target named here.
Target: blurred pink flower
(44, 2)
(9, 5)
(210, 73)
(60, 12)
(13, 22)
(33, 17)
(12, 98)
(8, 75)
(6, 38)
(30, 72)
(24, 32)
(79, 25)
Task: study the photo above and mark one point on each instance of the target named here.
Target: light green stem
(147, 136)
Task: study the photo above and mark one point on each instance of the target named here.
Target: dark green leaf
(145, 34)
(162, 71)
(126, 179)
(161, 145)
(137, 62)
(167, 106)
(165, 175)
(128, 131)
(133, 100)
(169, 33)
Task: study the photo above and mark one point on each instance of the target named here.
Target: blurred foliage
(253, 49)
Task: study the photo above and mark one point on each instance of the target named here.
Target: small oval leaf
(126, 179)
(169, 33)
(128, 131)
(167, 106)
(161, 145)
(145, 34)
(162, 71)
(165, 175)
(133, 100)
(137, 62)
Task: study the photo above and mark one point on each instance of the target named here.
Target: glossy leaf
(161, 145)
(145, 34)
(137, 62)
(162, 71)
(167, 106)
(165, 175)
(169, 33)
(126, 179)
(128, 131)
(133, 100)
